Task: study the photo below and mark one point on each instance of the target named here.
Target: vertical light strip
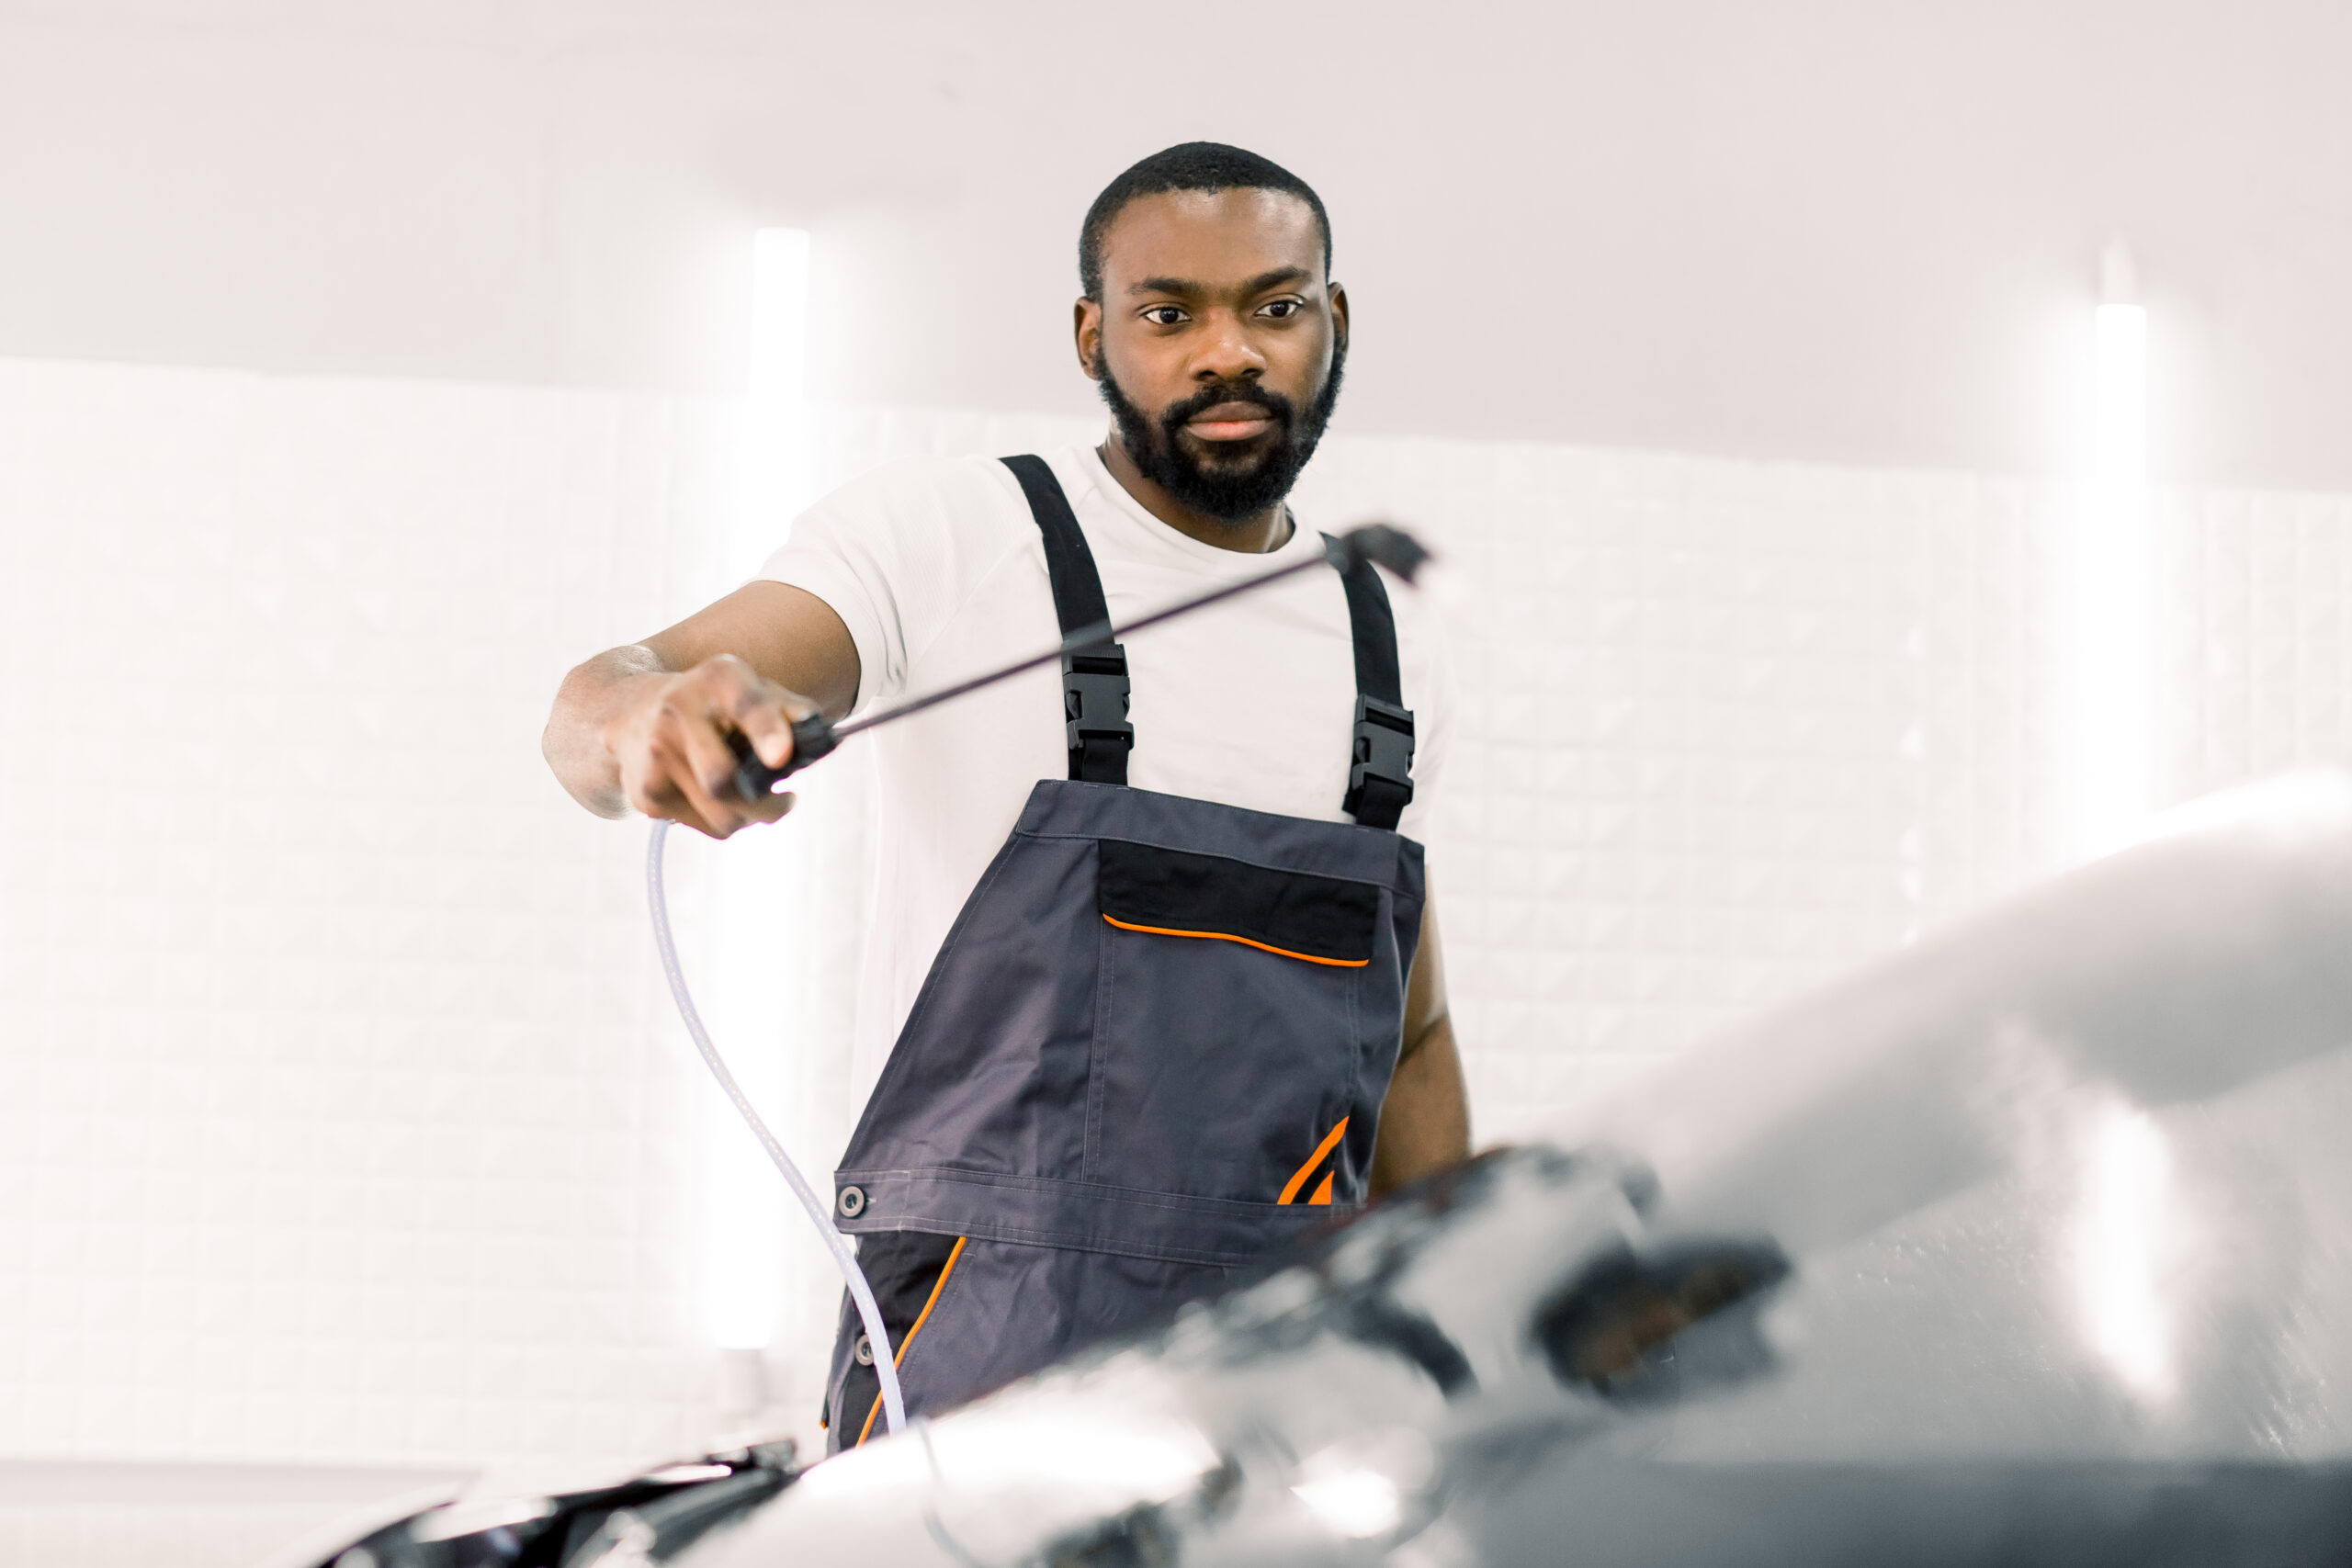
(2115, 577)
(753, 944)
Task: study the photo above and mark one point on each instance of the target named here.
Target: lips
(1230, 421)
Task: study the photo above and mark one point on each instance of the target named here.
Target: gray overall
(1152, 1048)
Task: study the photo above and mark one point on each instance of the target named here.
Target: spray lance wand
(815, 737)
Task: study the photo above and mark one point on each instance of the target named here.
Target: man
(1152, 988)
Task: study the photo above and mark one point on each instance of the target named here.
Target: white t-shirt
(939, 571)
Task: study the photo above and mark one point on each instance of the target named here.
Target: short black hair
(1189, 165)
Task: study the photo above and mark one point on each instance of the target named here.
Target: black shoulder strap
(1380, 771)
(1095, 676)
(1077, 587)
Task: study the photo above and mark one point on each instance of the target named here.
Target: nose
(1227, 354)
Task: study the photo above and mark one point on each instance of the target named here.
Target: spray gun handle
(812, 738)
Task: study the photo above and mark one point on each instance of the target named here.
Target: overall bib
(1152, 1048)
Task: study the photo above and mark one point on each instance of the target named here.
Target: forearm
(1425, 1125)
(574, 741)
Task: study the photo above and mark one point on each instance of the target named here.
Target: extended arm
(1425, 1125)
(645, 726)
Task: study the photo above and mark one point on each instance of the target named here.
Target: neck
(1253, 536)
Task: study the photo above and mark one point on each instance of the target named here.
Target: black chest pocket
(1230, 1039)
(1316, 919)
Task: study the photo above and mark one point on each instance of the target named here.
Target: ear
(1338, 296)
(1087, 329)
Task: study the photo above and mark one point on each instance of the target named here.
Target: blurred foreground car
(2032, 1244)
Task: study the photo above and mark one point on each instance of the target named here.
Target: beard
(1232, 482)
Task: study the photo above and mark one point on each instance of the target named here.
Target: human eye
(1281, 309)
(1165, 315)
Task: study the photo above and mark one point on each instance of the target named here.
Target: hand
(670, 741)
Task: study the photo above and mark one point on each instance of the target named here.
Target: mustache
(1207, 398)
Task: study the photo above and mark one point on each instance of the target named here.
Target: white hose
(894, 1407)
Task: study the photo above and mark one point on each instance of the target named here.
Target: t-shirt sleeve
(895, 553)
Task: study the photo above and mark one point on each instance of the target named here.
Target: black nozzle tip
(1384, 546)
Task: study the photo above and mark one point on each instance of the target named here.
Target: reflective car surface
(2032, 1244)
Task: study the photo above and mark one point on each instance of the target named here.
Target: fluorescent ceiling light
(754, 935)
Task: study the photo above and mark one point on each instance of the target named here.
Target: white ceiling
(1855, 231)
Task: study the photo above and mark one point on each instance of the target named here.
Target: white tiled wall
(1730, 725)
(342, 1118)
(2255, 593)
(336, 1121)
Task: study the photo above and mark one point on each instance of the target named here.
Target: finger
(685, 748)
(657, 773)
(653, 793)
(721, 814)
(697, 732)
(767, 725)
(727, 687)
(763, 710)
(702, 739)
(651, 798)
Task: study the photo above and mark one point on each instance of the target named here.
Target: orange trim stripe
(1330, 1141)
(1261, 946)
(1323, 1193)
(897, 1357)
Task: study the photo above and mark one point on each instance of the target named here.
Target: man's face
(1217, 342)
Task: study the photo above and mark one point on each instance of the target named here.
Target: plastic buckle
(1384, 752)
(1094, 700)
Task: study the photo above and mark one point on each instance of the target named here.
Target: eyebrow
(1190, 289)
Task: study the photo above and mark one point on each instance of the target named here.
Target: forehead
(1210, 236)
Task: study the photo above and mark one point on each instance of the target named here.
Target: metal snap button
(851, 1201)
(865, 1351)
